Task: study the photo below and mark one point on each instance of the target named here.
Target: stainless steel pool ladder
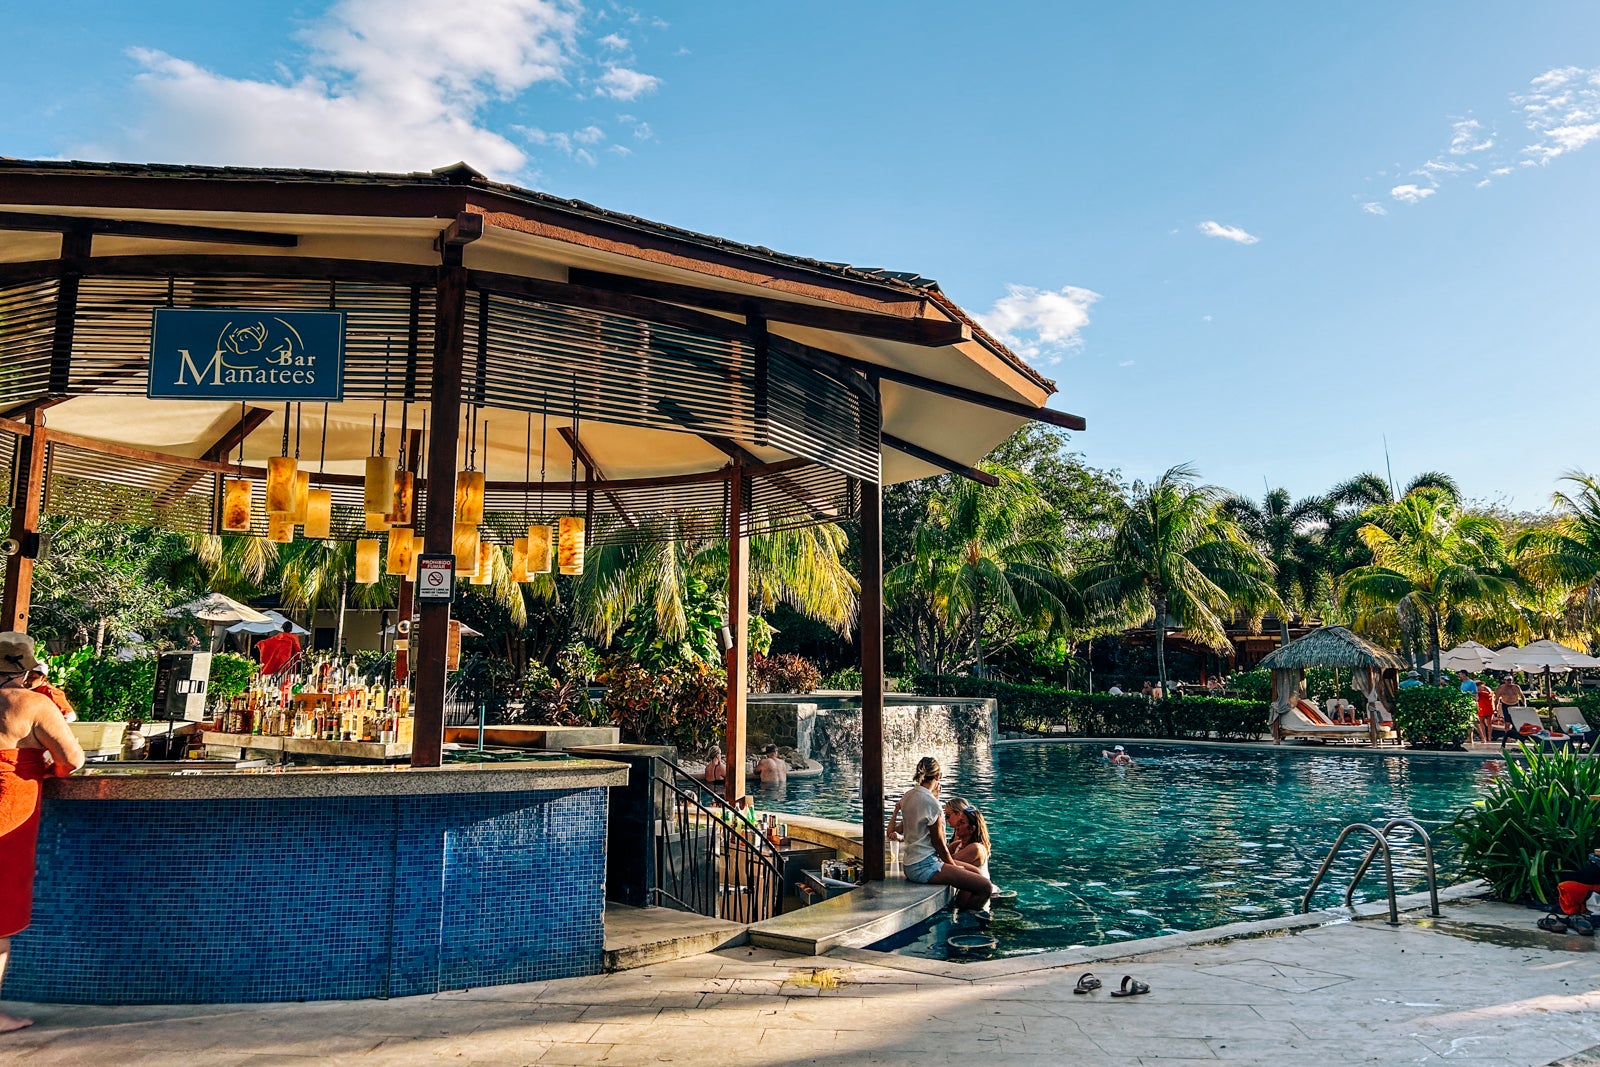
(1380, 843)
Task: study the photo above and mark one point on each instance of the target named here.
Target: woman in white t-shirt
(925, 855)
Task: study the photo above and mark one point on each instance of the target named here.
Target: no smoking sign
(436, 578)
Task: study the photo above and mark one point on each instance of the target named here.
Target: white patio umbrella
(274, 624)
(1542, 656)
(217, 608)
(1468, 656)
(466, 631)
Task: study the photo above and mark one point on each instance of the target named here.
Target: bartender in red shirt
(278, 651)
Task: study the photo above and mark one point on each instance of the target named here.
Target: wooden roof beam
(594, 473)
(237, 433)
(156, 231)
(933, 333)
(792, 489)
(933, 458)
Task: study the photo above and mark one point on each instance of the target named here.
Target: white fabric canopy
(217, 608)
(1541, 656)
(1469, 656)
(274, 624)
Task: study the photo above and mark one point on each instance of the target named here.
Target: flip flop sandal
(1131, 987)
(1087, 984)
(1581, 924)
(1555, 924)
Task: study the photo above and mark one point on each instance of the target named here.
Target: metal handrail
(1388, 868)
(719, 802)
(720, 870)
(1427, 847)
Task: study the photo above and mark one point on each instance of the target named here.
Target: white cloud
(570, 144)
(1372, 207)
(622, 83)
(1411, 194)
(1040, 325)
(1126, 363)
(614, 41)
(1205, 318)
(383, 85)
(1466, 135)
(1212, 228)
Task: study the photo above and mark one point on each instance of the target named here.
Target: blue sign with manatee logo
(246, 354)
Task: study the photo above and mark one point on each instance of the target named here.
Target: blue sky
(1259, 237)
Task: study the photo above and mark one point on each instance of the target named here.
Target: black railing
(709, 859)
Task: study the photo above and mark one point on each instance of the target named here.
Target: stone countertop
(308, 746)
(563, 775)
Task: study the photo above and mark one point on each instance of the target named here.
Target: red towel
(21, 770)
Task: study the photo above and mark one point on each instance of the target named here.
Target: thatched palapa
(1331, 646)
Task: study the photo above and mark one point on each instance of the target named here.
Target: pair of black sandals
(1556, 923)
(1131, 986)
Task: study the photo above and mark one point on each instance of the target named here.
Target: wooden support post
(75, 250)
(871, 627)
(28, 497)
(429, 643)
(738, 656)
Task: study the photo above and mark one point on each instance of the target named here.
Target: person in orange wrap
(35, 742)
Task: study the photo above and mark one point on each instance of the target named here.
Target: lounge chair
(1571, 721)
(1304, 720)
(1526, 724)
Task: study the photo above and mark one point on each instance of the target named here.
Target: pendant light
(280, 475)
(367, 561)
(541, 536)
(238, 494)
(519, 560)
(280, 527)
(452, 647)
(319, 502)
(402, 546)
(465, 544)
(470, 482)
(378, 484)
(569, 553)
(302, 478)
(486, 564)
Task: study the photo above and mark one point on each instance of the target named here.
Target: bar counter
(315, 883)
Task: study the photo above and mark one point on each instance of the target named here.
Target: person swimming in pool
(1118, 755)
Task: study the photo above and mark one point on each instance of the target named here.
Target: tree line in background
(1013, 581)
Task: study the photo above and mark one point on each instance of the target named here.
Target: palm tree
(990, 552)
(1285, 531)
(801, 567)
(1175, 553)
(1431, 560)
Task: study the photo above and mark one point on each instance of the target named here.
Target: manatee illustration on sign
(246, 354)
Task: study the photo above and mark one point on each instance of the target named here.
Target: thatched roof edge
(1331, 646)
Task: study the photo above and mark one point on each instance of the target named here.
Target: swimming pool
(1187, 837)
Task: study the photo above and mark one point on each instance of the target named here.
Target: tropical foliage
(1535, 821)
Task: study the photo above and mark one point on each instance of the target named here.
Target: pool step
(640, 937)
(855, 919)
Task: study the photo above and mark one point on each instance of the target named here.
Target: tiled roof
(460, 174)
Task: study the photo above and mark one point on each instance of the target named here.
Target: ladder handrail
(1427, 847)
(1388, 865)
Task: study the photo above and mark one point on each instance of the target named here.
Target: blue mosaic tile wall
(255, 900)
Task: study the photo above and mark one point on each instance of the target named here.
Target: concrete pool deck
(1479, 985)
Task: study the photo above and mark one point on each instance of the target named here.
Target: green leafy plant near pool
(1536, 821)
(1428, 717)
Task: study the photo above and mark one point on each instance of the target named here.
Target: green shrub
(106, 689)
(1535, 822)
(231, 675)
(1430, 717)
(847, 678)
(683, 705)
(1038, 708)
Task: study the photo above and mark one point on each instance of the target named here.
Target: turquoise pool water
(1186, 838)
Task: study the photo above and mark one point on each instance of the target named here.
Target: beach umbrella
(466, 631)
(274, 624)
(1469, 656)
(217, 608)
(1547, 656)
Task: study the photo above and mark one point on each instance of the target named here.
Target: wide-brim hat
(16, 653)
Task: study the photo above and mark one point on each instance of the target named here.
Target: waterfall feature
(828, 728)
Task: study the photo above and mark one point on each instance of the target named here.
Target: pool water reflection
(1185, 838)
